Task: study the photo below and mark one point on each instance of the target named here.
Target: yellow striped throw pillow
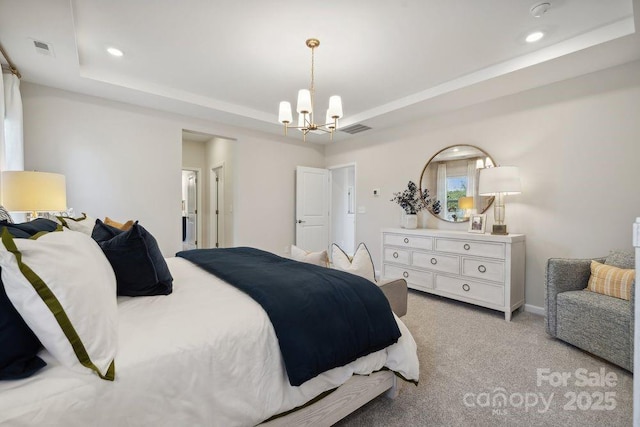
(611, 281)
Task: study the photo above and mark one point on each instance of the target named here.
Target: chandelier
(306, 122)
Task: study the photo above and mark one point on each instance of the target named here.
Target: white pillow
(360, 264)
(66, 293)
(317, 258)
(83, 224)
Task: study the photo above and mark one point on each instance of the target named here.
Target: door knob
(300, 221)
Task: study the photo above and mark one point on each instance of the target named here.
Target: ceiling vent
(43, 48)
(353, 129)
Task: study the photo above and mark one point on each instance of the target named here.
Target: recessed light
(534, 37)
(114, 51)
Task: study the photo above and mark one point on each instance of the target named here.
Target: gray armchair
(599, 324)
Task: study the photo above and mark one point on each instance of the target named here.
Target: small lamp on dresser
(499, 182)
(33, 192)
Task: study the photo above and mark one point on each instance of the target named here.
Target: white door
(312, 208)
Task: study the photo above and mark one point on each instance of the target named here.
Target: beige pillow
(612, 281)
(83, 224)
(360, 264)
(124, 227)
(317, 258)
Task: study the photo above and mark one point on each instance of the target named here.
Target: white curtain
(441, 185)
(471, 177)
(11, 139)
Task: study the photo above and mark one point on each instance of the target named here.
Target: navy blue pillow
(136, 260)
(28, 229)
(18, 344)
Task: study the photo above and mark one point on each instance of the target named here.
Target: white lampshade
(304, 101)
(335, 107)
(501, 179)
(27, 191)
(330, 121)
(284, 114)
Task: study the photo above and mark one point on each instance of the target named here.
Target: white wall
(577, 144)
(124, 161)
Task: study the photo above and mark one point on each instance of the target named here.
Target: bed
(205, 355)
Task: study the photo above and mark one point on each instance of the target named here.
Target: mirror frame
(424, 169)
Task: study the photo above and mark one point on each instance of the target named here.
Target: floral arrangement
(413, 201)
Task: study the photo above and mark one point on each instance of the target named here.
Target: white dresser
(481, 269)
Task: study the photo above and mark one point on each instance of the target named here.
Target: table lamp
(498, 182)
(33, 192)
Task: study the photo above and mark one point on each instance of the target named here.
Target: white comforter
(206, 355)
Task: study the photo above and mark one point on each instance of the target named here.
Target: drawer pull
(406, 240)
(466, 247)
(405, 275)
(434, 261)
(466, 287)
(482, 268)
(395, 254)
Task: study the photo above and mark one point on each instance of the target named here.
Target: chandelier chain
(313, 89)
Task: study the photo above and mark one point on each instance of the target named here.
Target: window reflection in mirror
(451, 176)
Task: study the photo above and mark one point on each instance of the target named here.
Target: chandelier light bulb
(284, 114)
(304, 101)
(335, 107)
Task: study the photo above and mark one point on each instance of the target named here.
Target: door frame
(217, 234)
(199, 212)
(355, 198)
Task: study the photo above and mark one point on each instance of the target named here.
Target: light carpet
(476, 369)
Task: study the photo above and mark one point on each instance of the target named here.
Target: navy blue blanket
(323, 318)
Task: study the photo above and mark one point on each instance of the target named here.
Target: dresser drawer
(483, 269)
(396, 255)
(417, 242)
(437, 262)
(471, 247)
(415, 279)
(492, 294)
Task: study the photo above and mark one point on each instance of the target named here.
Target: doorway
(190, 201)
(212, 158)
(325, 208)
(343, 203)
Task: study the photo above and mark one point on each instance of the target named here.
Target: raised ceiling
(391, 61)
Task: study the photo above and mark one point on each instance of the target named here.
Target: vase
(410, 221)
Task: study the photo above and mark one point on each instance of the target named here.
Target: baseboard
(534, 309)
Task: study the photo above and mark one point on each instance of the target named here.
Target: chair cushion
(621, 259)
(598, 324)
(612, 281)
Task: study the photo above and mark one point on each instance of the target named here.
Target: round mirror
(451, 178)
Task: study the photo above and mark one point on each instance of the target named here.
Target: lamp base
(500, 229)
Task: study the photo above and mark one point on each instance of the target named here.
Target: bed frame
(359, 389)
(355, 393)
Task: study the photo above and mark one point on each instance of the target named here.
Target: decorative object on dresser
(499, 182)
(33, 192)
(413, 200)
(453, 175)
(480, 269)
(477, 223)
